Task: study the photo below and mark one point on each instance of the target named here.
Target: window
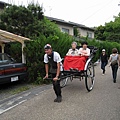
(65, 30)
(89, 35)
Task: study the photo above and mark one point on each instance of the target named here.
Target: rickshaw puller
(53, 58)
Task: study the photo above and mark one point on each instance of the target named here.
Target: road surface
(102, 103)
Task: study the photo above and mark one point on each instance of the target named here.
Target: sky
(91, 13)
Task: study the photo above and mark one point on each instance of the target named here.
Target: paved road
(102, 103)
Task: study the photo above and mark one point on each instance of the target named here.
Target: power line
(96, 11)
(110, 16)
(97, 4)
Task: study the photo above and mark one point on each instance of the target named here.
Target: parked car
(11, 71)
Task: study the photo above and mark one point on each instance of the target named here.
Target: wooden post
(23, 54)
(2, 47)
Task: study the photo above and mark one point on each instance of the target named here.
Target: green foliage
(21, 20)
(30, 22)
(14, 49)
(39, 79)
(103, 45)
(99, 33)
(111, 31)
(35, 52)
(76, 32)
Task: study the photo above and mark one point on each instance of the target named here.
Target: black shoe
(59, 99)
(103, 71)
(114, 81)
(55, 100)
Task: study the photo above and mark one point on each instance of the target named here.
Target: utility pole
(50, 9)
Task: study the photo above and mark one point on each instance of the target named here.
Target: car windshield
(4, 59)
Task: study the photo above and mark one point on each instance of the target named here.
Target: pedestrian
(104, 60)
(114, 62)
(53, 59)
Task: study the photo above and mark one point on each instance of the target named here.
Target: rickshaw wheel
(89, 77)
(63, 82)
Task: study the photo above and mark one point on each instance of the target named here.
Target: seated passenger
(77, 62)
(84, 51)
(73, 51)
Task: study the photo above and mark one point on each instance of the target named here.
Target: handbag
(115, 62)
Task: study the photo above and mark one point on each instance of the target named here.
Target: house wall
(85, 33)
(2, 5)
(70, 28)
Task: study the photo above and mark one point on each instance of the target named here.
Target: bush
(14, 50)
(60, 42)
(34, 50)
(108, 46)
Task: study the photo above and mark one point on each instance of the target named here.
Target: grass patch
(19, 90)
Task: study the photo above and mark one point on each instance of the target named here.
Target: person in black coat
(104, 60)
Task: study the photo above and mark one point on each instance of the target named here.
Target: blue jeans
(114, 72)
(103, 64)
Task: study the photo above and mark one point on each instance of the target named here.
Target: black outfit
(114, 68)
(53, 70)
(56, 86)
(104, 61)
(114, 71)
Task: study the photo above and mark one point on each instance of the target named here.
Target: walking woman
(115, 62)
(104, 60)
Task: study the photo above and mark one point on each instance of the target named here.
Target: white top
(73, 52)
(113, 57)
(56, 58)
(84, 52)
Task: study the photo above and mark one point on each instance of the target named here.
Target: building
(2, 5)
(68, 27)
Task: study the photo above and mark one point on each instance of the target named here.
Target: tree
(30, 22)
(99, 33)
(76, 32)
(110, 32)
(21, 20)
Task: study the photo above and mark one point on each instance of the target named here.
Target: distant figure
(104, 60)
(73, 51)
(115, 61)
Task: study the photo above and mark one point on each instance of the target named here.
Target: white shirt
(84, 52)
(73, 52)
(56, 58)
(114, 57)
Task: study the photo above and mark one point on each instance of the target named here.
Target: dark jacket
(104, 58)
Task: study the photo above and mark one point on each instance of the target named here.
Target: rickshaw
(88, 74)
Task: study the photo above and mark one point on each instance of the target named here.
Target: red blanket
(75, 62)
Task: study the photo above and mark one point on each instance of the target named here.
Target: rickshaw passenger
(77, 62)
(84, 51)
(73, 51)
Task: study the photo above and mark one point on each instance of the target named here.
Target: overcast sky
(87, 12)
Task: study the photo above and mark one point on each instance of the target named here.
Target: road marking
(10, 102)
(17, 100)
(2, 110)
(27, 94)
